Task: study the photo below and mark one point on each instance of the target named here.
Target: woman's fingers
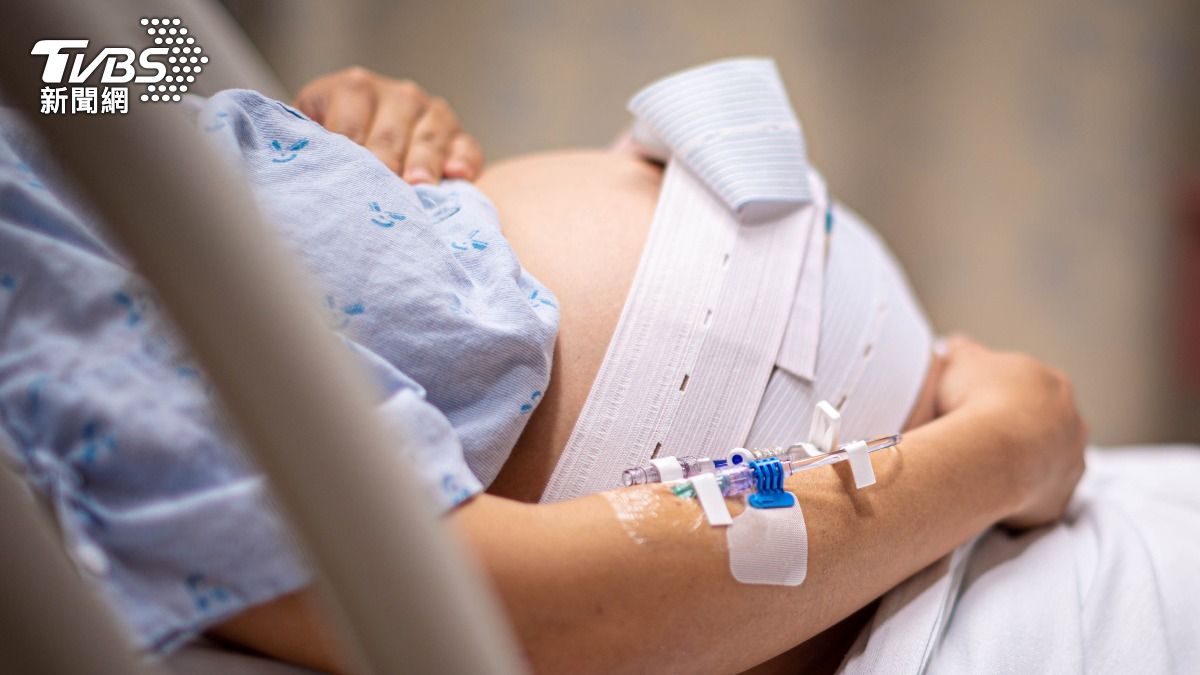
(413, 134)
(343, 102)
(466, 158)
(350, 109)
(312, 99)
(399, 107)
(430, 146)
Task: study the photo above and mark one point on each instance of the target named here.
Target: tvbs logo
(117, 61)
(168, 67)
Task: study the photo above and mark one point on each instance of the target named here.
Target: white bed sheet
(1115, 588)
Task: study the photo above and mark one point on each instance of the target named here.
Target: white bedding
(1115, 588)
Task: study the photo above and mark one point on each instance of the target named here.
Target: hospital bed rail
(406, 595)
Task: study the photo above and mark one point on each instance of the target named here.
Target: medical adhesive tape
(711, 499)
(860, 464)
(669, 469)
(769, 546)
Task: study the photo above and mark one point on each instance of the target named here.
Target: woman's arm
(584, 597)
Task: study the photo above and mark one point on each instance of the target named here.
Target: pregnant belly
(578, 221)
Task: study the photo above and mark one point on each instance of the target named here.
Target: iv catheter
(689, 466)
(739, 478)
(802, 450)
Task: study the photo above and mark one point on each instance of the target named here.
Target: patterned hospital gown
(107, 417)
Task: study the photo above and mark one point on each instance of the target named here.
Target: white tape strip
(769, 546)
(826, 427)
(798, 354)
(668, 468)
(711, 500)
(860, 464)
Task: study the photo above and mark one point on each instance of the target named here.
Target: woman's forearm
(584, 596)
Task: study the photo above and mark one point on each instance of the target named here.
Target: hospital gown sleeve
(116, 429)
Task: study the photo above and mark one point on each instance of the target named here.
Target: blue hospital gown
(111, 421)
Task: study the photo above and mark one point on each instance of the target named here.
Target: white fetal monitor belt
(699, 336)
(754, 299)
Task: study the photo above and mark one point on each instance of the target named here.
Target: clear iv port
(639, 476)
(690, 467)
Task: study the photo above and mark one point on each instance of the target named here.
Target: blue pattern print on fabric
(471, 242)
(533, 401)
(287, 154)
(455, 490)
(120, 431)
(187, 371)
(384, 218)
(134, 308)
(341, 316)
(219, 122)
(206, 596)
(439, 206)
(536, 300)
(94, 444)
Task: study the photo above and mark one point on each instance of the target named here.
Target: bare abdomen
(577, 220)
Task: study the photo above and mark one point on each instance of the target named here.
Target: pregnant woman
(457, 315)
(582, 595)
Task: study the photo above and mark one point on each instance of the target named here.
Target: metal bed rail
(408, 596)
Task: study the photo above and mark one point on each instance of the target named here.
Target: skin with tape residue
(654, 515)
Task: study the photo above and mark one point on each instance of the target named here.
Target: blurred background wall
(1019, 156)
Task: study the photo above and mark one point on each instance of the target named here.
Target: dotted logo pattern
(185, 61)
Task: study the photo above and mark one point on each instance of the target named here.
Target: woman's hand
(416, 135)
(1032, 406)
